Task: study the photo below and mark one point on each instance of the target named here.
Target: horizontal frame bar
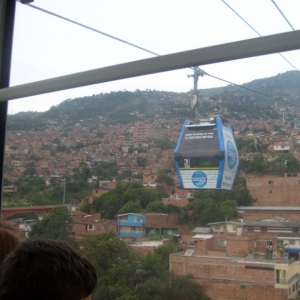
(214, 54)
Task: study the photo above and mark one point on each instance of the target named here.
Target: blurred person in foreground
(46, 270)
(9, 240)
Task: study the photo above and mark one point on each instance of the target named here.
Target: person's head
(46, 270)
(9, 240)
(4, 224)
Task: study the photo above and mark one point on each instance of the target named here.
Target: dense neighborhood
(239, 245)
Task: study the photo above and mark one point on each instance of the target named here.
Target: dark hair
(46, 270)
(9, 240)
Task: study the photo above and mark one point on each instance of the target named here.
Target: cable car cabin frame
(206, 156)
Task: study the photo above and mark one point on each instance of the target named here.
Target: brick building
(252, 213)
(141, 133)
(231, 266)
(275, 191)
(86, 225)
(153, 226)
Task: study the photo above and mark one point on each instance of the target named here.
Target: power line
(241, 17)
(282, 14)
(256, 31)
(92, 29)
(254, 91)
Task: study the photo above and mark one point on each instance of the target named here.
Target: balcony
(288, 281)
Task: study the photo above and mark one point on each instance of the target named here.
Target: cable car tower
(194, 103)
(206, 156)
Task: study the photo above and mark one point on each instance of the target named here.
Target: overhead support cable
(92, 29)
(241, 17)
(251, 90)
(214, 54)
(257, 32)
(282, 14)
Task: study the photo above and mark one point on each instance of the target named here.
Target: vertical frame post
(7, 17)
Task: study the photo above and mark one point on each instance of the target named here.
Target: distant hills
(123, 107)
(285, 86)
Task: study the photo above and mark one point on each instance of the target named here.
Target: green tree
(142, 161)
(164, 144)
(165, 177)
(156, 206)
(115, 265)
(130, 207)
(56, 225)
(228, 208)
(87, 208)
(30, 171)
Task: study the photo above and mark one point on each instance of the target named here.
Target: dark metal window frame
(7, 17)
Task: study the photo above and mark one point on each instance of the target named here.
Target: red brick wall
(227, 280)
(204, 245)
(239, 245)
(170, 220)
(285, 190)
(179, 202)
(215, 242)
(207, 267)
(237, 292)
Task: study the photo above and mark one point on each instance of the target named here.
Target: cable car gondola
(206, 156)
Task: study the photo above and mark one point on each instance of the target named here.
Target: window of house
(123, 218)
(295, 230)
(292, 242)
(217, 227)
(90, 227)
(250, 228)
(263, 229)
(170, 231)
(222, 243)
(152, 231)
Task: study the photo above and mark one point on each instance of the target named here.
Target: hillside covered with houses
(103, 166)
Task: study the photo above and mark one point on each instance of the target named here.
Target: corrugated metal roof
(202, 236)
(201, 230)
(243, 208)
(274, 224)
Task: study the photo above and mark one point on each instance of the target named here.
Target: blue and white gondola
(206, 156)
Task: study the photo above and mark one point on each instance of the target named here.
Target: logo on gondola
(199, 179)
(231, 155)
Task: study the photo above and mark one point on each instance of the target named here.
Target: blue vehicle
(206, 156)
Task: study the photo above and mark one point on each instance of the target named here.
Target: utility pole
(194, 103)
(64, 196)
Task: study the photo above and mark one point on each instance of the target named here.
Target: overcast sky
(46, 46)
